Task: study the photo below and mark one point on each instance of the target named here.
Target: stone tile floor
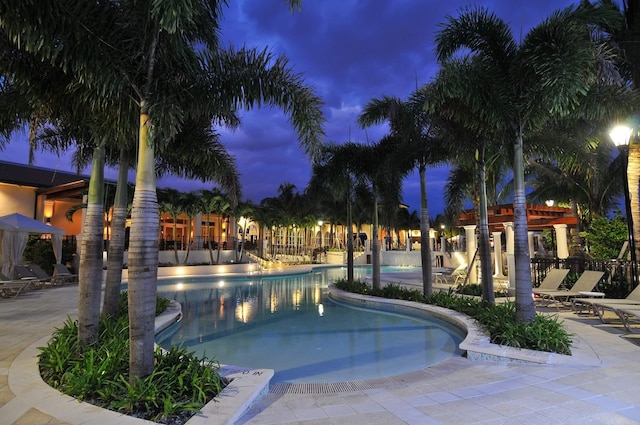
(456, 391)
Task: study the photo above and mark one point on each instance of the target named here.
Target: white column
(497, 252)
(443, 244)
(532, 253)
(561, 240)
(511, 259)
(470, 235)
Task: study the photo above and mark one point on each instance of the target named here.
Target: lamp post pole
(621, 137)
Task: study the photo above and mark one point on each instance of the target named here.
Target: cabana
(14, 232)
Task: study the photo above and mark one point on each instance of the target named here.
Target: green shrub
(544, 334)
(40, 252)
(161, 304)
(179, 386)
(605, 237)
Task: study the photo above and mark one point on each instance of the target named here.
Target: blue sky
(349, 51)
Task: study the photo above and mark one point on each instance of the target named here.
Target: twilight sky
(349, 51)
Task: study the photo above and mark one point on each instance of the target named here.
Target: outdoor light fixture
(549, 202)
(48, 209)
(621, 136)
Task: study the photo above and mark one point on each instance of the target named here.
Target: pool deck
(456, 391)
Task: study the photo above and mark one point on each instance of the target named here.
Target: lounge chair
(13, 288)
(62, 274)
(457, 276)
(586, 283)
(552, 280)
(627, 313)
(598, 305)
(25, 273)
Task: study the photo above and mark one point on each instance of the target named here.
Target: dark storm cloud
(349, 51)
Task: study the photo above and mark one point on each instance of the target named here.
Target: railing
(615, 271)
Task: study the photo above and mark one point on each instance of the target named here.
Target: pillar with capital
(532, 253)
(511, 259)
(472, 244)
(561, 240)
(497, 252)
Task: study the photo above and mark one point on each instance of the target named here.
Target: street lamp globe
(620, 135)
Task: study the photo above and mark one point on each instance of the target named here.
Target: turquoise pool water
(286, 323)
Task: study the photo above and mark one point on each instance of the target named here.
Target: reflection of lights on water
(297, 298)
(273, 303)
(221, 284)
(180, 286)
(316, 293)
(320, 310)
(243, 311)
(222, 306)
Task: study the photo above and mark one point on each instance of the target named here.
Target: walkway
(456, 391)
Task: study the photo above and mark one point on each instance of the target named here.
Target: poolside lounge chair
(587, 281)
(627, 313)
(9, 288)
(457, 276)
(552, 280)
(62, 274)
(24, 273)
(600, 304)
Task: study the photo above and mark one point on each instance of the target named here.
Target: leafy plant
(605, 237)
(161, 304)
(179, 386)
(40, 252)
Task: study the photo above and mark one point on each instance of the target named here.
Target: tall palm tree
(246, 211)
(627, 39)
(379, 165)
(545, 75)
(416, 130)
(332, 180)
(170, 203)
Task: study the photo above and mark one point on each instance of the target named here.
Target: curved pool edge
(247, 386)
(477, 343)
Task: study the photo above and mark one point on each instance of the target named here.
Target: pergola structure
(500, 218)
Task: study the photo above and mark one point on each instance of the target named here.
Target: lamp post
(621, 136)
(550, 203)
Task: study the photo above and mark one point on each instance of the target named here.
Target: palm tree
(415, 127)
(379, 165)
(191, 208)
(170, 203)
(210, 199)
(546, 75)
(332, 180)
(627, 39)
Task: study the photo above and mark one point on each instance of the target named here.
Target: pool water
(286, 323)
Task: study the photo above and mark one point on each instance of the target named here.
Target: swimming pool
(286, 323)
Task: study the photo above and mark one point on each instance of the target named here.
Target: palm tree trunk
(90, 276)
(116, 246)
(375, 245)
(425, 246)
(175, 234)
(484, 250)
(143, 259)
(525, 310)
(349, 236)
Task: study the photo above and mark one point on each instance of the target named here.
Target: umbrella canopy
(14, 232)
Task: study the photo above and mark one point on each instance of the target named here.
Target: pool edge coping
(245, 389)
(477, 343)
